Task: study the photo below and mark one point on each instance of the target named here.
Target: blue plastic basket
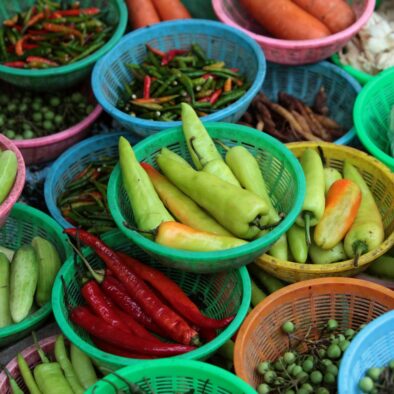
(304, 82)
(73, 161)
(372, 347)
(219, 41)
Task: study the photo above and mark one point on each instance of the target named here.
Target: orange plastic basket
(350, 301)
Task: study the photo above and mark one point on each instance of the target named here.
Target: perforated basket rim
(343, 35)
(67, 158)
(344, 265)
(45, 310)
(275, 299)
(92, 351)
(192, 367)
(165, 28)
(69, 68)
(358, 344)
(362, 101)
(239, 251)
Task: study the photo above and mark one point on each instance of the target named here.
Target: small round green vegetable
(288, 327)
(374, 373)
(366, 384)
(37, 116)
(302, 377)
(279, 365)
(332, 369)
(289, 357)
(263, 367)
(307, 387)
(329, 378)
(332, 324)
(28, 134)
(326, 362)
(316, 377)
(269, 376)
(10, 134)
(349, 333)
(321, 353)
(322, 390)
(344, 345)
(307, 365)
(12, 108)
(263, 388)
(58, 120)
(49, 115)
(302, 391)
(48, 125)
(54, 101)
(290, 391)
(296, 370)
(334, 351)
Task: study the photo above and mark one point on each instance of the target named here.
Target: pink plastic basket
(293, 52)
(16, 190)
(32, 358)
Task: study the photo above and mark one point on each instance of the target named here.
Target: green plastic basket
(68, 75)
(21, 226)
(175, 376)
(372, 116)
(283, 175)
(223, 294)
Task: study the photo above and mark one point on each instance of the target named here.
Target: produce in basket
(291, 119)
(28, 278)
(129, 300)
(166, 79)
(8, 172)
(26, 115)
(378, 379)
(383, 267)
(301, 19)
(51, 34)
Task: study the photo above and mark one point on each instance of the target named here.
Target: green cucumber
(383, 267)
(8, 171)
(5, 315)
(23, 282)
(48, 266)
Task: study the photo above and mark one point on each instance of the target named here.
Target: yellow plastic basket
(381, 182)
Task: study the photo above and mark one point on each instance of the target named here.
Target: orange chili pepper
(227, 85)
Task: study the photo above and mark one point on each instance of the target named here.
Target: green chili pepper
(327, 256)
(257, 294)
(187, 83)
(330, 176)
(297, 242)
(87, 52)
(314, 202)
(238, 210)
(147, 207)
(279, 249)
(27, 375)
(3, 50)
(172, 155)
(270, 283)
(198, 51)
(15, 389)
(367, 231)
(227, 98)
(214, 66)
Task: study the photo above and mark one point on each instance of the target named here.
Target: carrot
(337, 15)
(142, 13)
(171, 9)
(286, 20)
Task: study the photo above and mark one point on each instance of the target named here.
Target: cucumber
(383, 267)
(23, 282)
(5, 315)
(48, 266)
(8, 170)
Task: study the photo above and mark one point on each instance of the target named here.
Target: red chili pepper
(206, 76)
(37, 32)
(147, 85)
(156, 51)
(16, 64)
(19, 46)
(62, 29)
(80, 11)
(203, 100)
(118, 294)
(55, 15)
(42, 60)
(169, 56)
(208, 334)
(112, 349)
(215, 96)
(173, 294)
(171, 323)
(28, 46)
(234, 69)
(11, 22)
(100, 329)
(34, 19)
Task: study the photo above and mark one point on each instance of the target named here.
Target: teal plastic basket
(372, 347)
(175, 376)
(224, 294)
(283, 175)
(63, 76)
(23, 224)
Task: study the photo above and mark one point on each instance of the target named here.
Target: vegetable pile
(383, 267)
(128, 301)
(292, 120)
(218, 206)
(313, 369)
(27, 280)
(166, 79)
(8, 172)
(378, 380)
(26, 115)
(47, 35)
(83, 202)
(301, 19)
(341, 208)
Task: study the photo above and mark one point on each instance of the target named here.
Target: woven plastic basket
(381, 182)
(304, 82)
(218, 41)
(73, 161)
(15, 192)
(63, 76)
(372, 347)
(22, 225)
(223, 294)
(351, 302)
(175, 376)
(292, 51)
(32, 358)
(283, 176)
(372, 116)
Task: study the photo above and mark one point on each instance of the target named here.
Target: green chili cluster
(166, 79)
(51, 34)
